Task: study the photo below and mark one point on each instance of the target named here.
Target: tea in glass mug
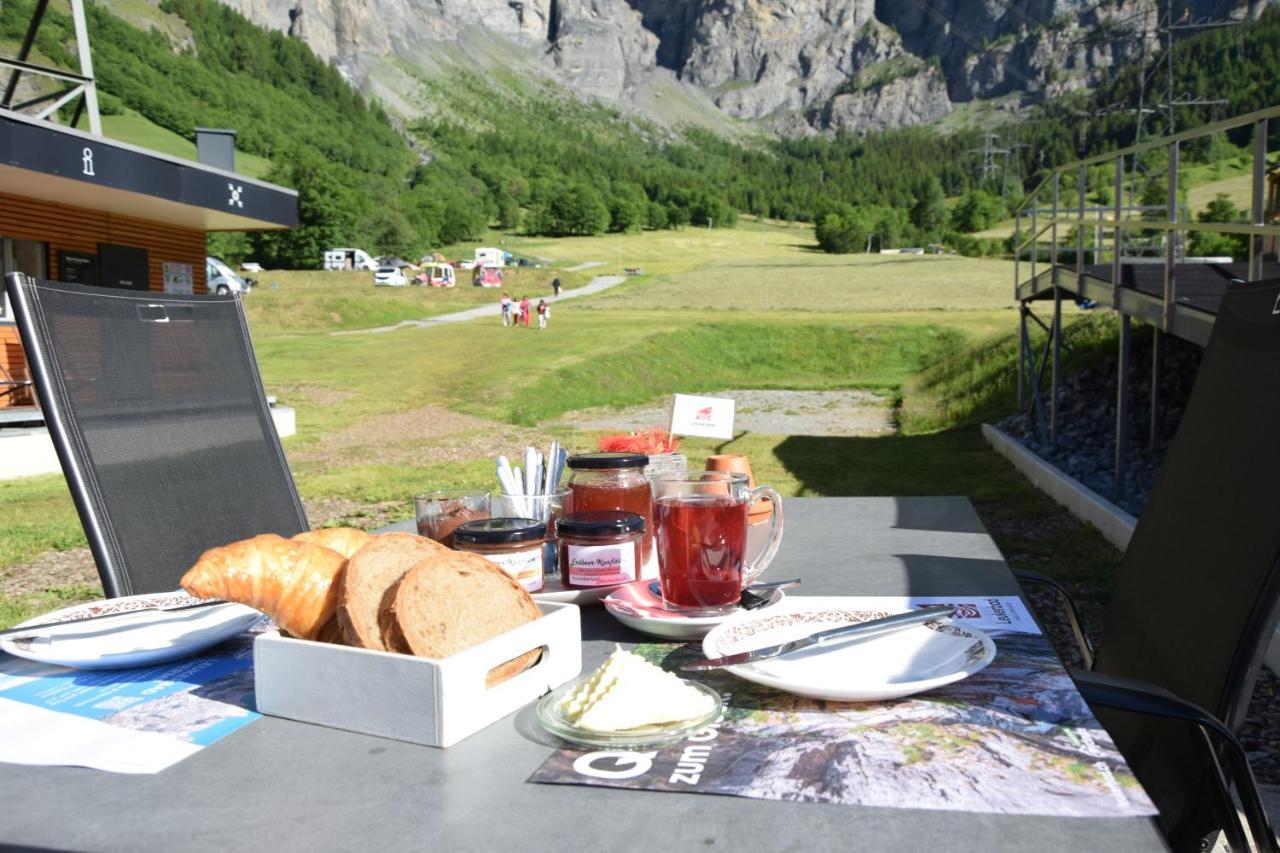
(700, 522)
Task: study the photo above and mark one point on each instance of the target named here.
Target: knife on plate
(861, 630)
(33, 632)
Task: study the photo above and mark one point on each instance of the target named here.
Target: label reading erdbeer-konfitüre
(601, 565)
(524, 566)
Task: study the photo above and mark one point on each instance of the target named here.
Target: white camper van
(221, 279)
(488, 257)
(349, 259)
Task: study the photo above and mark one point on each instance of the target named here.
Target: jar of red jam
(514, 544)
(612, 481)
(600, 548)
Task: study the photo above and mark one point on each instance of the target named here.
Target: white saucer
(635, 606)
(553, 590)
(889, 666)
(138, 640)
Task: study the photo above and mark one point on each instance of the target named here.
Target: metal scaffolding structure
(1170, 294)
(69, 86)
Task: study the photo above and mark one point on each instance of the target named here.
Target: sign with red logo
(705, 417)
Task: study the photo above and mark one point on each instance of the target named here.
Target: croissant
(295, 583)
(345, 540)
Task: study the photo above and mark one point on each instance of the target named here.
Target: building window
(26, 256)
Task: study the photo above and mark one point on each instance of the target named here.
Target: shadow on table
(933, 574)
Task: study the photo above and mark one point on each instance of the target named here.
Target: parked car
(389, 277)
(221, 279)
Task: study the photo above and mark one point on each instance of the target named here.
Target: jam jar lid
(601, 461)
(496, 531)
(602, 523)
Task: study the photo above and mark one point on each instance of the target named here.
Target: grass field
(137, 130)
(382, 416)
(294, 302)
(829, 284)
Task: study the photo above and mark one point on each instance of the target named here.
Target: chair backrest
(156, 409)
(1198, 593)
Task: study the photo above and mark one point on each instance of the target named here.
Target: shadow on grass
(1031, 531)
(954, 462)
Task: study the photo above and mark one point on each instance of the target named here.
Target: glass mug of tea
(701, 524)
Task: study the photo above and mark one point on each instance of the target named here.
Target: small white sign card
(705, 417)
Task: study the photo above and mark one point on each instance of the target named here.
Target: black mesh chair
(156, 409)
(1198, 593)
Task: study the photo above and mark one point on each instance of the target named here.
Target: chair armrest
(1142, 697)
(1073, 615)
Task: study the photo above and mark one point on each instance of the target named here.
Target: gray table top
(278, 785)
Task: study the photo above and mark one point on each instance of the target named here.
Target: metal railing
(1123, 217)
(1163, 312)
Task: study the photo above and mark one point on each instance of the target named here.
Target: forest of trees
(545, 163)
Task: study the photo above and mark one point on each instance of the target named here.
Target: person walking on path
(506, 309)
(544, 314)
(555, 286)
(524, 310)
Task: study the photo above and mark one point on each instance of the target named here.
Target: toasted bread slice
(371, 573)
(451, 602)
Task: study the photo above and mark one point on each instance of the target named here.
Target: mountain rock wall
(792, 65)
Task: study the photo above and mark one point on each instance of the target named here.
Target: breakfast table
(279, 785)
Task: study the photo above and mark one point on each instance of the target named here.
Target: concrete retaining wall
(30, 453)
(1080, 500)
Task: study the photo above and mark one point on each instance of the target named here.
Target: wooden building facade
(80, 208)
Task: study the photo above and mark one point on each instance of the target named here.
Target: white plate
(138, 640)
(886, 667)
(635, 606)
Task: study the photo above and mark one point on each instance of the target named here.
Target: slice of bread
(451, 602)
(371, 576)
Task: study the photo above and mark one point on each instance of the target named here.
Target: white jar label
(600, 565)
(524, 566)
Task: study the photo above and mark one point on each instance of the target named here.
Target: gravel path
(829, 413)
(597, 284)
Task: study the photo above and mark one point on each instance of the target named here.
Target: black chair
(156, 409)
(1198, 593)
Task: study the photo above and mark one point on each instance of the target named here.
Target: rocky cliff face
(793, 65)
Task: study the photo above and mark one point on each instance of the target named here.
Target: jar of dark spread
(514, 544)
(600, 548)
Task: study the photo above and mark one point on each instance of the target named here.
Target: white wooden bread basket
(421, 700)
